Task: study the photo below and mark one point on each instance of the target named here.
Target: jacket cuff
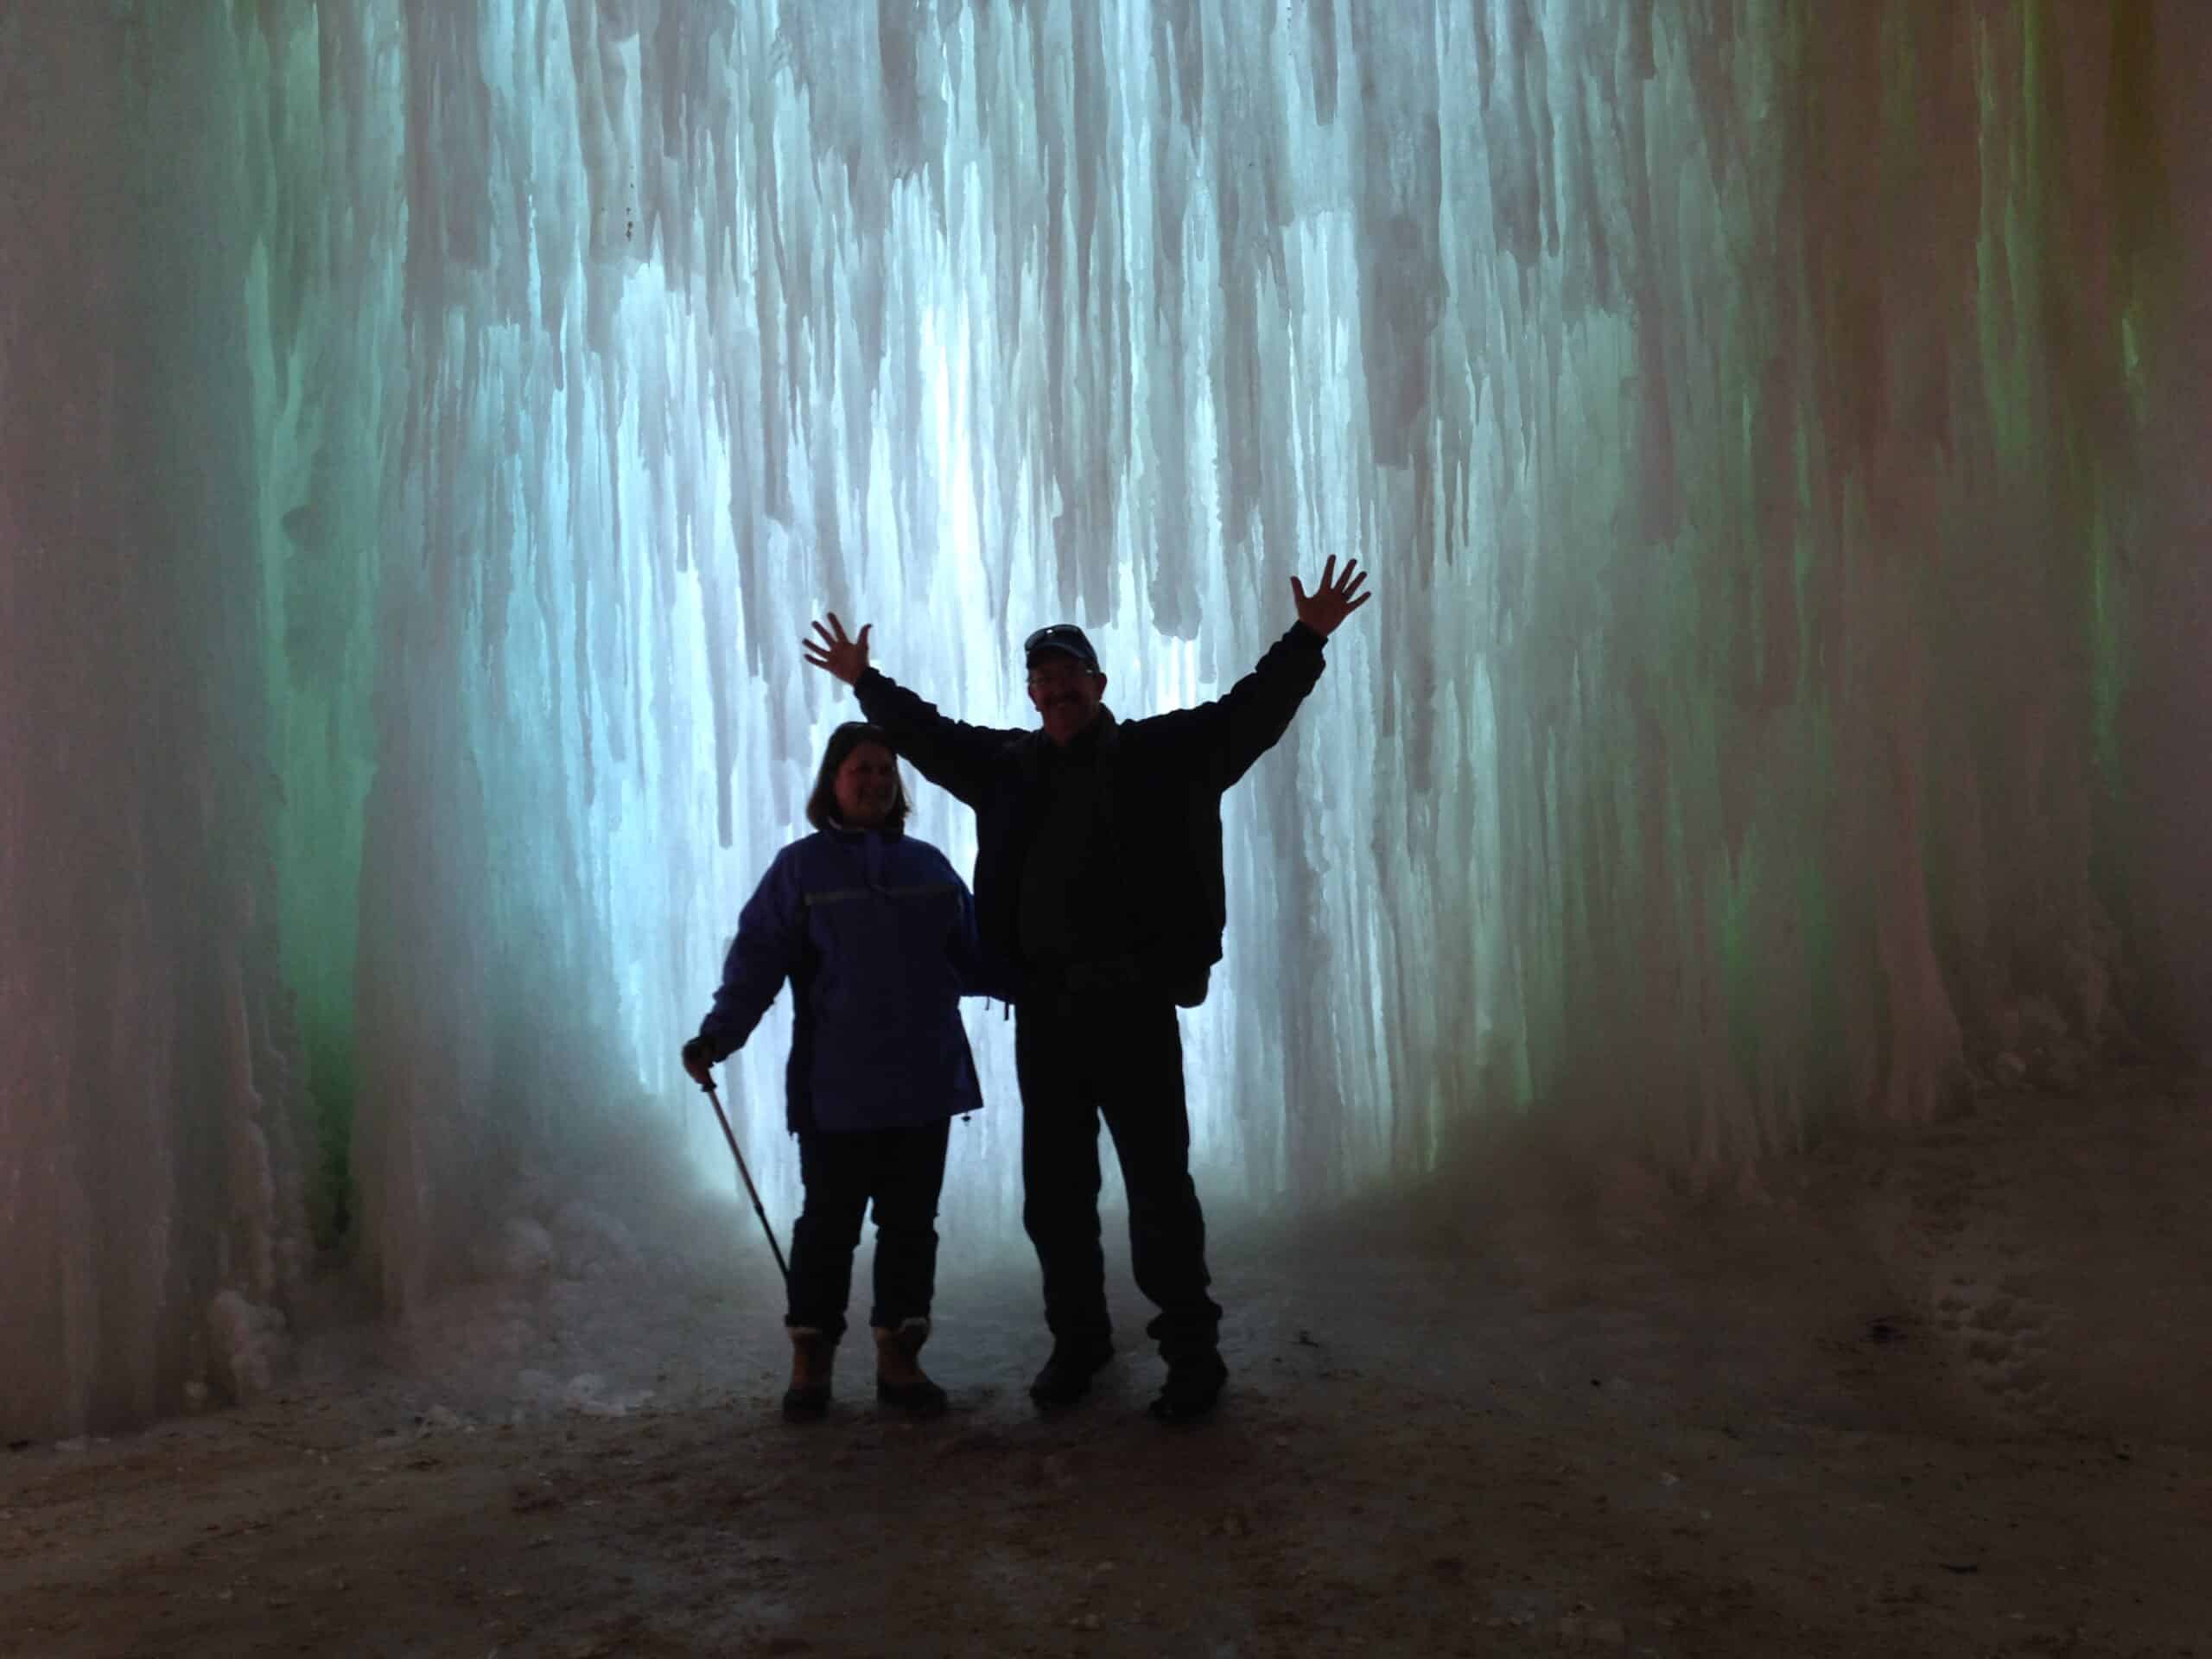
(1310, 638)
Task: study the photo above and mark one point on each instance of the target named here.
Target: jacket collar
(1098, 741)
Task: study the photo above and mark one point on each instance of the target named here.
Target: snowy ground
(1944, 1392)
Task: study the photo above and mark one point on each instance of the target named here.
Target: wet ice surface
(1938, 1392)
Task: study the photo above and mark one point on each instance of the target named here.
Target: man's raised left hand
(1336, 598)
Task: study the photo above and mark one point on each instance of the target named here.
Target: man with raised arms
(1099, 897)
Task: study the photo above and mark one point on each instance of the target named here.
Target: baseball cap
(1063, 637)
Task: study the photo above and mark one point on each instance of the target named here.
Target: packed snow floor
(1941, 1391)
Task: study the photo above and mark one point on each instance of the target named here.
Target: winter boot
(1194, 1384)
(898, 1381)
(812, 1355)
(1066, 1376)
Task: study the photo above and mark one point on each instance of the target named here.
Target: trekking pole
(746, 1175)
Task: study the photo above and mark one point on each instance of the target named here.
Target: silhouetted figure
(876, 934)
(1100, 901)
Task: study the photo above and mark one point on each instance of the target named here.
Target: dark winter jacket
(877, 937)
(1147, 903)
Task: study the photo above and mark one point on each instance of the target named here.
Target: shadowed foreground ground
(1945, 1392)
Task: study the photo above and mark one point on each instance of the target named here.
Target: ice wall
(151, 1111)
(426, 428)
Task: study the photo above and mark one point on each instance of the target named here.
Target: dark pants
(1124, 1057)
(902, 1170)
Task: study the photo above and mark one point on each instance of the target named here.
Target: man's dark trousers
(1121, 1056)
(903, 1171)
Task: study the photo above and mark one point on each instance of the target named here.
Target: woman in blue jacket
(877, 936)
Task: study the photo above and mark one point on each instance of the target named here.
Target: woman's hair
(822, 806)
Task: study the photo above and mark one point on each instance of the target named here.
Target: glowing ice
(425, 430)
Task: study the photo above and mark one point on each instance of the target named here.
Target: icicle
(425, 434)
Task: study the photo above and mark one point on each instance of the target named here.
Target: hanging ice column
(1774, 444)
(151, 1110)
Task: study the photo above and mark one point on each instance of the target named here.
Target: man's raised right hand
(846, 658)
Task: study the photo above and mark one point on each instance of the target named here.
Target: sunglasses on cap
(1063, 637)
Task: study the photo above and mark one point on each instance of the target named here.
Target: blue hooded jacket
(876, 933)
